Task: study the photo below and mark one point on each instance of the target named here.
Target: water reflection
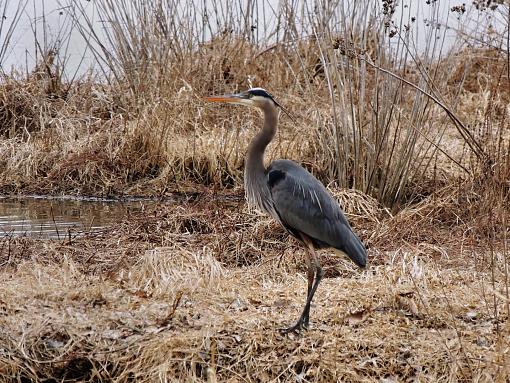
(59, 219)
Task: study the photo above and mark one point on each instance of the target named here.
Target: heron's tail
(354, 249)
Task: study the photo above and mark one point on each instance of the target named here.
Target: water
(62, 218)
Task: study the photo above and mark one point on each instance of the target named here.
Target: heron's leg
(319, 273)
(310, 270)
(315, 274)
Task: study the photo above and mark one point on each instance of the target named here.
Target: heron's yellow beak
(238, 99)
(226, 98)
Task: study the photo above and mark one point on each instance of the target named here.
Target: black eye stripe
(260, 93)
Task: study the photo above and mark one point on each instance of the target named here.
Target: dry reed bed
(197, 292)
(90, 138)
(182, 315)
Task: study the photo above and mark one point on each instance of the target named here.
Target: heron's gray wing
(304, 205)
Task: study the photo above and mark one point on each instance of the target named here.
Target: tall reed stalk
(7, 27)
(373, 86)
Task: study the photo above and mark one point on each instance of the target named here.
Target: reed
(371, 112)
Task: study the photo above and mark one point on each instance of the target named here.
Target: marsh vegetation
(410, 134)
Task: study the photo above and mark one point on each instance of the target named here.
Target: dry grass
(85, 143)
(145, 130)
(88, 141)
(197, 292)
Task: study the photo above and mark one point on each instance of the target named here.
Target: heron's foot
(301, 324)
(306, 321)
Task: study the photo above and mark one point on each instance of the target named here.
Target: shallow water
(64, 217)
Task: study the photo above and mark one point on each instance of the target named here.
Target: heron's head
(257, 97)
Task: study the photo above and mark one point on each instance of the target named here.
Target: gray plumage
(295, 198)
(304, 205)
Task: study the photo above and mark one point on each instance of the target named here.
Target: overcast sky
(22, 52)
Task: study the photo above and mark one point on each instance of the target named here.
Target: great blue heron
(295, 198)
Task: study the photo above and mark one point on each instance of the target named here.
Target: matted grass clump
(198, 292)
(354, 122)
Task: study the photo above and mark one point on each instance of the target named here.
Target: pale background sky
(22, 50)
(22, 53)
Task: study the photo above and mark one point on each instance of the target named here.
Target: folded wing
(304, 205)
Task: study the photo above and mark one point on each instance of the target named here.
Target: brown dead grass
(172, 144)
(90, 138)
(197, 292)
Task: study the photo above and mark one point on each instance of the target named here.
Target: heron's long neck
(257, 191)
(255, 156)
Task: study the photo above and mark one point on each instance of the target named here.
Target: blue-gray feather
(304, 205)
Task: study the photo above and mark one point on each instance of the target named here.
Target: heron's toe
(296, 329)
